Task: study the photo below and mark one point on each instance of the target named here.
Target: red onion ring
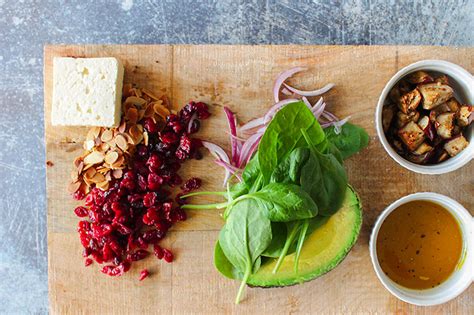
(269, 115)
(282, 77)
(233, 131)
(317, 92)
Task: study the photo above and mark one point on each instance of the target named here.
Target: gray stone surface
(25, 26)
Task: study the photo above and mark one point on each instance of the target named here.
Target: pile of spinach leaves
(290, 187)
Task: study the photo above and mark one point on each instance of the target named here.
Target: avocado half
(324, 249)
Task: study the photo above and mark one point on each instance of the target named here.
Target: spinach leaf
(283, 135)
(251, 171)
(244, 237)
(237, 190)
(286, 202)
(289, 170)
(301, 239)
(325, 179)
(293, 228)
(223, 265)
(350, 140)
(278, 240)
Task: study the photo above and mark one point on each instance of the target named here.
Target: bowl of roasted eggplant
(424, 117)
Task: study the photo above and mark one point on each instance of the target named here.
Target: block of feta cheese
(87, 92)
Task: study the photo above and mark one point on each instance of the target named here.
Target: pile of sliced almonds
(108, 150)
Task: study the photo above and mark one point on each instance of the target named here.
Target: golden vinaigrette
(419, 245)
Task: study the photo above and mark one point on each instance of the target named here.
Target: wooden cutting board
(241, 77)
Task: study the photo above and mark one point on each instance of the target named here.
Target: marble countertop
(25, 26)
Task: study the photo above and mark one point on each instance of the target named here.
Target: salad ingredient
(134, 209)
(324, 248)
(419, 245)
(269, 217)
(429, 117)
(143, 274)
(87, 91)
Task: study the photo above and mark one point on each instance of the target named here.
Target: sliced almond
(117, 173)
(121, 142)
(150, 94)
(89, 145)
(145, 138)
(74, 176)
(107, 135)
(73, 187)
(149, 111)
(111, 157)
(95, 157)
(161, 110)
(90, 173)
(137, 101)
(98, 178)
(132, 115)
(122, 127)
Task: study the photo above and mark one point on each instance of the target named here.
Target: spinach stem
(301, 240)
(289, 241)
(199, 193)
(248, 270)
(208, 206)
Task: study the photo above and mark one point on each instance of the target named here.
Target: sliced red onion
(318, 110)
(329, 116)
(271, 112)
(317, 92)
(191, 120)
(236, 137)
(307, 103)
(233, 131)
(246, 148)
(230, 168)
(282, 77)
(285, 91)
(220, 154)
(337, 124)
(252, 150)
(254, 123)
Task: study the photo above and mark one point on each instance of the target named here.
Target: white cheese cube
(87, 92)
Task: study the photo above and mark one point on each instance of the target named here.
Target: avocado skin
(331, 265)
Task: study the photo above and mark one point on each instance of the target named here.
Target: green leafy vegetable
(278, 240)
(286, 202)
(244, 237)
(283, 135)
(350, 140)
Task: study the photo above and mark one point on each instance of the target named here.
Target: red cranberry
(158, 251)
(154, 181)
(191, 184)
(169, 138)
(154, 162)
(150, 125)
(138, 255)
(87, 262)
(167, 255)
(81, 212)
(202, 110)
(150, 199)
(78, 195)
(143, 274)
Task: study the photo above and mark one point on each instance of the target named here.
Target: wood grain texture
(241, 77)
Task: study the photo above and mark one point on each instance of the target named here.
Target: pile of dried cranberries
(136, 210)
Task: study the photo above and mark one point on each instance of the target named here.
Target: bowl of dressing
(422, 248)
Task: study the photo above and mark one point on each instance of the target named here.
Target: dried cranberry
(78, 195)
(167, 255)
(195, 126)
(154, 181)
(185, 143)
(143, 274)
(158, 251)
(150, 125)
(87, 262)
(152, 236)
(191, 184)
(169, 138)
(138, 255)
(150, 199)
(115, 271)
(154, 162)
(81, 212)
(127, 183)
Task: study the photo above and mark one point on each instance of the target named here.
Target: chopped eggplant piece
(422, 149)
(403, 119)
(444, 125)
(443, 79)
(456, 145)
(395, 94)
(419, 77)
(397, 145)
(435, 94)
(420, 159)
(404, 87)
(388, 112)
(443, 156)
(464, 113)
(411, 135)
(410, 101)
(453, 105)
(424, 122)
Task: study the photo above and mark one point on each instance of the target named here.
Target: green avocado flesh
(322, 251)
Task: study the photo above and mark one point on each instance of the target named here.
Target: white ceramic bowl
(463, 83)
(461, 278)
